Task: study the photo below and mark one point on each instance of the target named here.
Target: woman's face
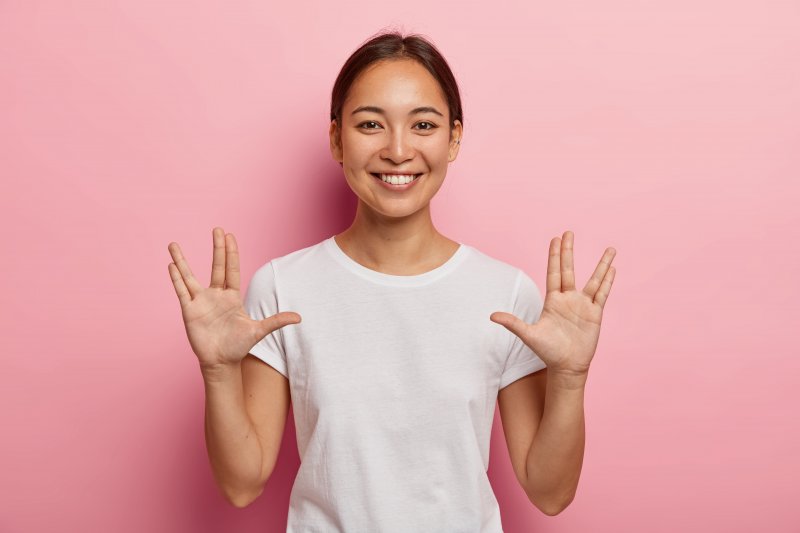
(395, 136)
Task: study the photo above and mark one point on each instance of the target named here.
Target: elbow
(551, 510)
(552, 507)
(240, 496)
(240, 500)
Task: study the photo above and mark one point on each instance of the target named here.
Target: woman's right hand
(219, 329)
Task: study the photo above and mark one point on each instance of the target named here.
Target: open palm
(566, 334)
(219, 329)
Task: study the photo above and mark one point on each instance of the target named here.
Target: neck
(395, 245)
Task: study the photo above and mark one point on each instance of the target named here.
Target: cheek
(357, 150)
(441, 157)
(441, 148)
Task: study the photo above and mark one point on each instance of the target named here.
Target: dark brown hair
(389, 46)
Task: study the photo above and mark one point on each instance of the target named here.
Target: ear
(456, 132)
(334, 133)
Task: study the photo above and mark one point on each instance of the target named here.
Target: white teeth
(395, 179)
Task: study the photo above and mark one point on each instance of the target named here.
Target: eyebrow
(416, 110)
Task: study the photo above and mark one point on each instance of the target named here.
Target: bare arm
(555, 458)
(231, 440)
(544, 427)
(565, 338)
(246, 400)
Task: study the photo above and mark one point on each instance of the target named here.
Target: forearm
(233, 447)
(556, 456)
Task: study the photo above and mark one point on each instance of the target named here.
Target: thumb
(277, 321)
(512, 323)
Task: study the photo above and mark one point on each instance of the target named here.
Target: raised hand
(565, 336)
(219, 329)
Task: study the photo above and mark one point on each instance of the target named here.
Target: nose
(399, 148)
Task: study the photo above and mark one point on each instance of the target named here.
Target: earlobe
(335, 143)
(456, 143)
(335, 152)
(456, 134)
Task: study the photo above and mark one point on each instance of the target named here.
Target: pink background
(667, 130)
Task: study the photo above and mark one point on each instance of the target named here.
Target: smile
(396, 179)
(396, 182)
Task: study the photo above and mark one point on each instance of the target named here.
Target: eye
(430, 124)
(367, 122)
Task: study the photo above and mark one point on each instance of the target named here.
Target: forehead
(396, 84)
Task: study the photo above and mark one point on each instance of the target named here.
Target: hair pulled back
(393, 45)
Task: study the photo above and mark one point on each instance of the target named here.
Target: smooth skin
(392, 231)
(247, 401)
(544, 425)
(219, 329)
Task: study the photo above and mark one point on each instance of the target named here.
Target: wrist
(567, 379)
(219, 372)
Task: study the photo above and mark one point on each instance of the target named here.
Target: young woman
(397, 365)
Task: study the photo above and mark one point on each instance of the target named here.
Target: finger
(599, 272)
(218, 261)
(277, 321)
(232, 262)
(180, 287)
(512, 323)
(567, 267)
(183, 268)
(605, 287)
(554, 266)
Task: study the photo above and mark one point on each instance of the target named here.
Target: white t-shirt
(393, 384)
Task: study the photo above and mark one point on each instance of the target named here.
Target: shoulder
(494, 267)
(289, 262)
(506, 278)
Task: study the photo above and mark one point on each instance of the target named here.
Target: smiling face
(395, 120)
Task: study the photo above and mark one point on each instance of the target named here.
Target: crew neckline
(393, 279)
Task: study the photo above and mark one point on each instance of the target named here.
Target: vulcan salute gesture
(220, 331)
(395, 128)
(543, 417)
(565, 336)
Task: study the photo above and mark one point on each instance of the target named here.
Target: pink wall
(667, 130)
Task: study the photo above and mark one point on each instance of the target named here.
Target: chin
(400, 213)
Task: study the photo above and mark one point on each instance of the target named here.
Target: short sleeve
(528, 306)
(260, 302)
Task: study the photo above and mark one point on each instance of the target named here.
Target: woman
(396, 368)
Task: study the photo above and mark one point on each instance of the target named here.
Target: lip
(397, 173)
(391, 187)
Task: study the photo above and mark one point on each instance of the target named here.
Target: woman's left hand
(565, 336)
